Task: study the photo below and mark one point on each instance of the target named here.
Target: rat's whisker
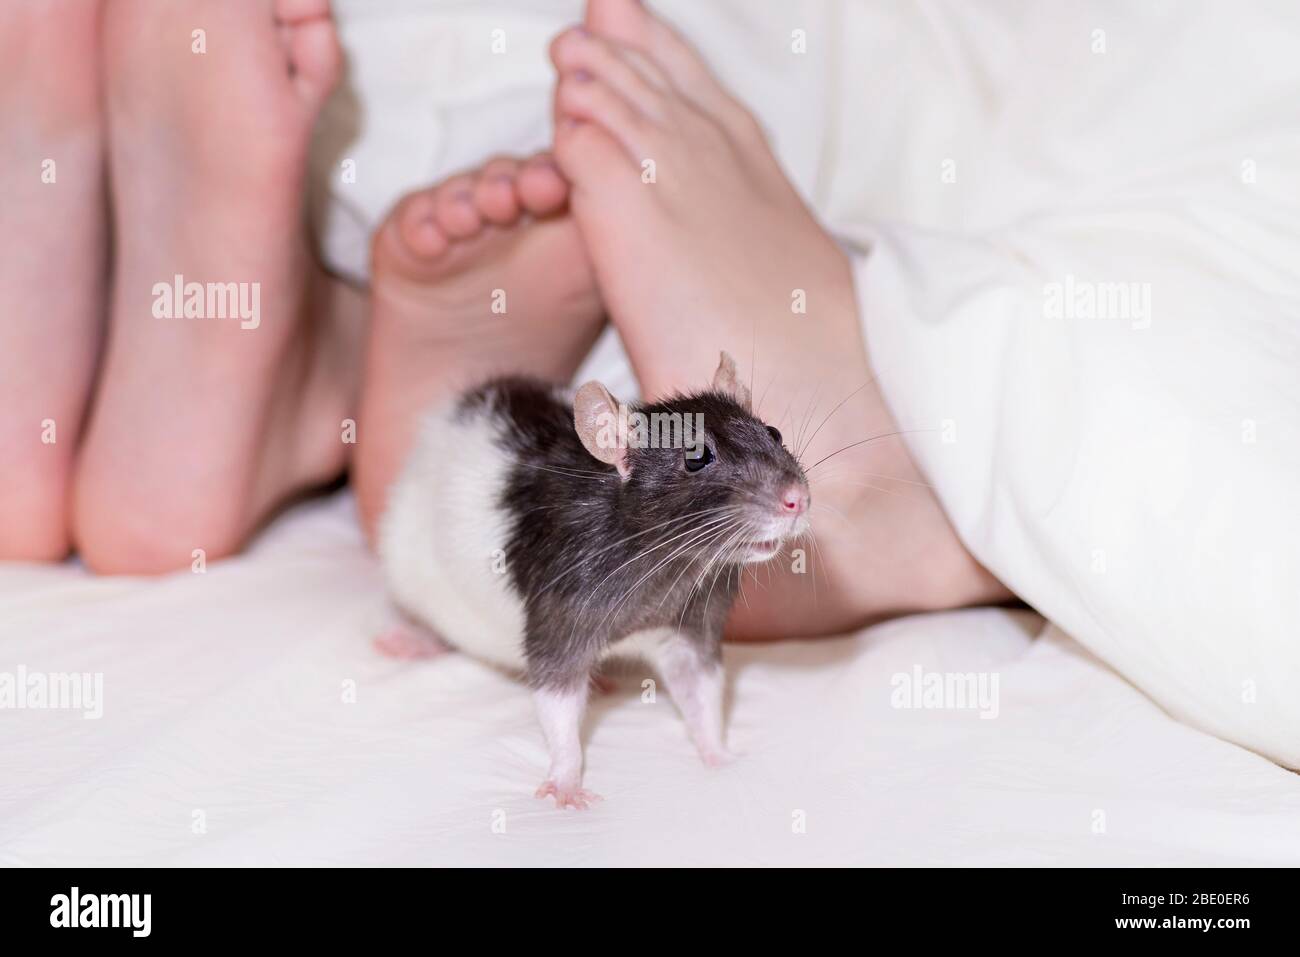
(619, 604)
(895, 478)
(832, 412)
(709, 565)
(686, 567)
(848, 477)
(637, 584)
(573, 473)
(637, 557)
(753, 357)
(833, 510)
(869, 485)
(817, 547)
(766, 388)
(807, 417)
(784, 415)
(874, 438)
(590, 558)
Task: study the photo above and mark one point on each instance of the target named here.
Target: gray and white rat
(544, 531)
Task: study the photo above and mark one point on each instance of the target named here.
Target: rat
(544, 531)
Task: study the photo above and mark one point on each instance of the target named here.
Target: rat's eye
(776, 435)
(698, 457)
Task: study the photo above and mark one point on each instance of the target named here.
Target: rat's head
(703, 459)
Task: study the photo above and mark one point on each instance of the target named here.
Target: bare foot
(53, 269)
(482, 274)
(670, 172)
(201, 426)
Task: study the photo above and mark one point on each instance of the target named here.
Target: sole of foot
(482, 274)
(669, 171)
(52, 274)
(231, 359)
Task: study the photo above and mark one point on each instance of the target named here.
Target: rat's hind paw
(568, 795)
(409, 643)
(717, 757)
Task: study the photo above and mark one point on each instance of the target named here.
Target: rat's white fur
(442, 539)
(695, 685)
(560, 714)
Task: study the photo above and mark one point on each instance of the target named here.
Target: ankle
(903, 551)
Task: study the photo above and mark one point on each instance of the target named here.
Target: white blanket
(1084, 293)
(246, 720)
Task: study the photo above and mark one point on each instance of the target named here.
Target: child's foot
(700, 244)
(213, 408)
(52, 231)
(482, 274)
(699, 241)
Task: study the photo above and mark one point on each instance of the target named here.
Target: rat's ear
(602, 430)
(724, 380)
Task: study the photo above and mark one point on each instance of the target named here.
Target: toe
(494, 192)
(624, 20)
(415, 224)
(541, 187)
(580, 96)
(591, 159)
(629, 22)
(315, 57)
(295, 11)
(632, 75)
(457, 214)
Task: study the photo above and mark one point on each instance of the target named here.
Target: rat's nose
(794, 500)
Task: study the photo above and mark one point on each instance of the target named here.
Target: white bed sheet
(223, 694)
(225, 691)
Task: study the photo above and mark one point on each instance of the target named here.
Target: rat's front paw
(568, 795)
